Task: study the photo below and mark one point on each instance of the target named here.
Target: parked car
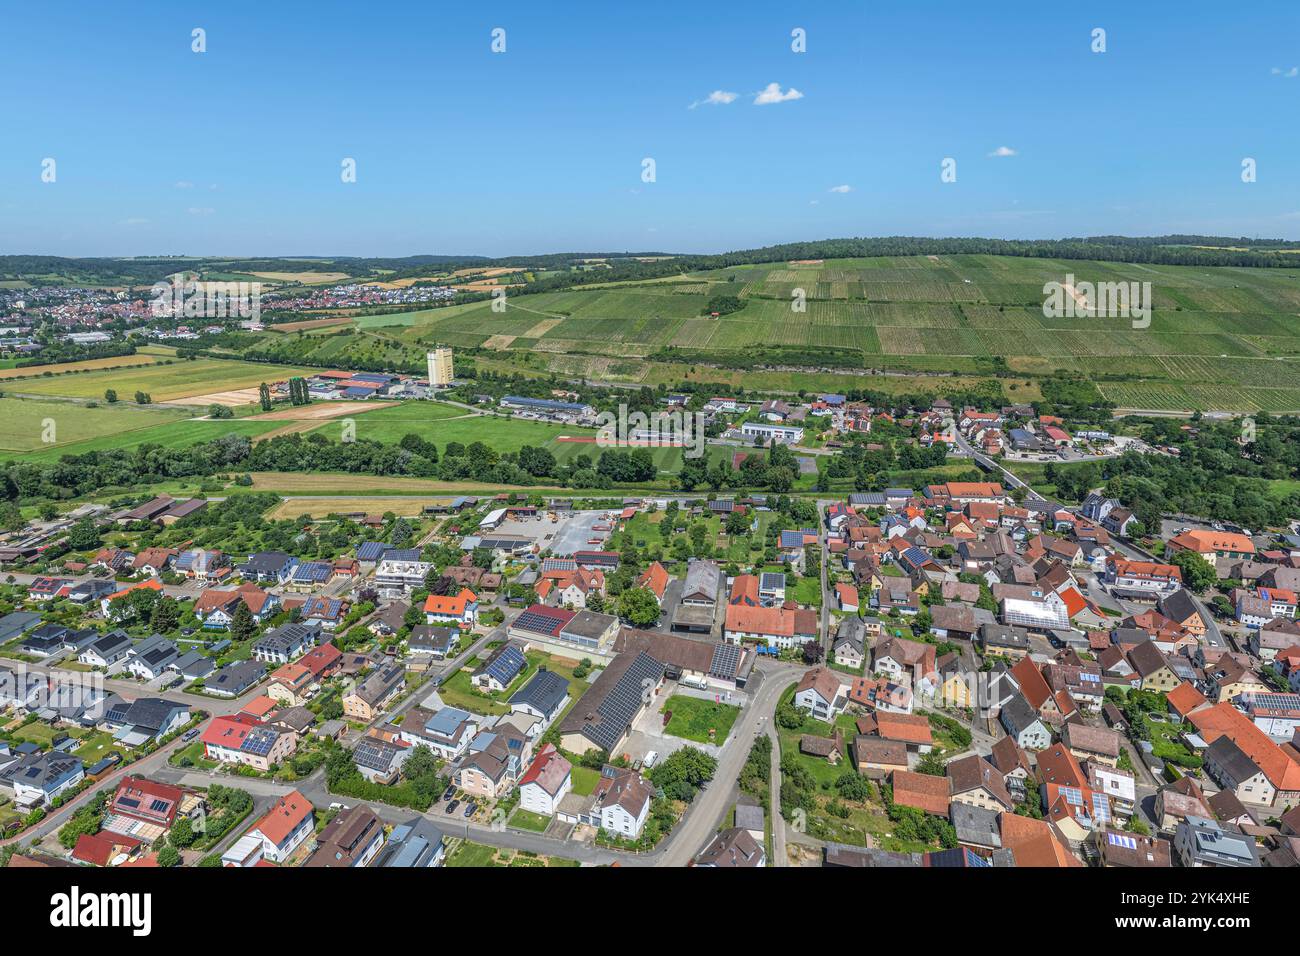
(668, 715)
(451, 807)
(650, 759)
(470, 808)
(449, 793)
(190, 734)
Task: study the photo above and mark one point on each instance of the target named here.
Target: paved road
(779, 855)
(706, 813)
(988, 464)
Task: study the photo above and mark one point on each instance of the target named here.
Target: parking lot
(568, 533)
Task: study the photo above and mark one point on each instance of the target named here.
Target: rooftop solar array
(624, 700)
(259, 741)
(542, 621)
(372, 754)
(726, 660)
(402, 554)
(505, 663)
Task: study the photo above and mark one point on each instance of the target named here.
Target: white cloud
(1288, 74)
(841, 189)
(200, 210)
(772, 93)
(184, 184)
(134, 221)
(1003, 151)
(814, 202)
(716, 98)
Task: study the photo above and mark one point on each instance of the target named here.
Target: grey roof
(1017, 714)
(380, 683)
(193, 664)
(1178, 606)
(267, 562)
(868, 499)
(374, 753)
(46, 770)
(11, 625)
(853, 631)
(702, 579)
(150, 713)
(543, 693)
(975, 825)
(605, 713)
(414, 843)
(588, 624)
(236, 678)
(1226, 754)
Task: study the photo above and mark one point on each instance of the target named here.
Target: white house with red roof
(548, 780)
(284, 828)
(460, 609)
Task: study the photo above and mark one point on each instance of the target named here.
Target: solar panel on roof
(1121, 839)
(159, 806)
(537, 621)
(726, 660)
(258, 743)
(1101, 807)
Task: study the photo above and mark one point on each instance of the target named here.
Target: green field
(446, 423)
(25, 424)
(1219, 338)
(163, 382)
(175, 434)
(693, 719)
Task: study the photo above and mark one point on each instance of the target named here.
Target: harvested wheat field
(117, 361)
(318, 411)
(232, 398)
(306, 324)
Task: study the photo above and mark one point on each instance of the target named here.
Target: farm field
(162, 382)
(1223, 338)
(377, 504)
(90, 365)
(23, 424)
(446, 423)
(173, 434)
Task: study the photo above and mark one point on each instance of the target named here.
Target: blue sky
(237, 151)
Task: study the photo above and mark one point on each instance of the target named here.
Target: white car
(650, 759)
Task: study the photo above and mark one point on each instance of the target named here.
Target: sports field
(180, 379)
(1218, 338)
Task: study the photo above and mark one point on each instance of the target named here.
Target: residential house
(548, 779)
(352, 839)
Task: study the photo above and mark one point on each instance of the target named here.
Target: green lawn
(472, 854)
(459, 692)
(693, 719)
(181, 379)
(807, 591)
(173, 434)
(49, 427)
(528, 820)
(585, 780)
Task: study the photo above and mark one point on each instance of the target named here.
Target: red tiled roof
(285, 817)
(921, 790)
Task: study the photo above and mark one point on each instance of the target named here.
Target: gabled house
(548, 779)
(278, 834)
